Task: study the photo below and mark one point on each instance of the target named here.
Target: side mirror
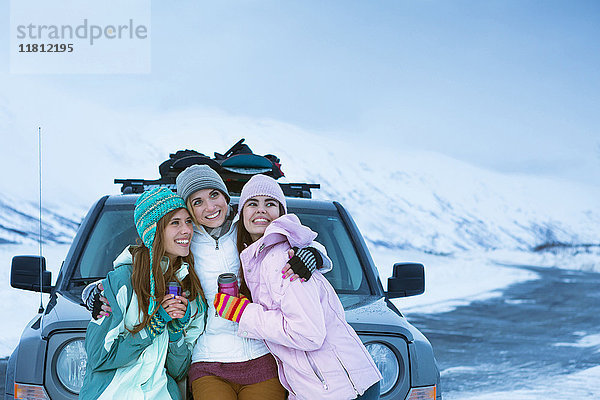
(408, 279)
(25, 274)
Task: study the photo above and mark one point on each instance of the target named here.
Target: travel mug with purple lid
(174, 288)
(228, 284)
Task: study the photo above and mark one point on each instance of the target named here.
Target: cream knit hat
(262, 185)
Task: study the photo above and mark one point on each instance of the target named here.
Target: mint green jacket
(133, 366)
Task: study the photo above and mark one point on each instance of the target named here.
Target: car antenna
(41, 309)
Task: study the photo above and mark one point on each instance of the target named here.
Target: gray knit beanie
(262, 185)
(198, 177)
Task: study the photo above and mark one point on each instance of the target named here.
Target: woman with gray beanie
(225, 365)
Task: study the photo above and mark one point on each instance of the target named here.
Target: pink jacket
(303, 324)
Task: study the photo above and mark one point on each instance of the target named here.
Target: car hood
(371, 314)
(62, 314)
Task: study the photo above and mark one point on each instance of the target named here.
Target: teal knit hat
(150, 207)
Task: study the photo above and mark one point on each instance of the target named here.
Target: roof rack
(133, 186)
(236, 166)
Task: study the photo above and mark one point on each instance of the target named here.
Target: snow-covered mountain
(399, 198)
(19, 223)
(435, 204)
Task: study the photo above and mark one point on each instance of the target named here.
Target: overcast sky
(512, 86)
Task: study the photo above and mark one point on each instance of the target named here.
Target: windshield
(115, 230)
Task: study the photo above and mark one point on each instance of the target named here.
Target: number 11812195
(46, 48)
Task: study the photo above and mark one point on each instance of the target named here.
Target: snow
(450, 281)
(461, 278)
(586, 340)
(19, 222)
(579, 385)
(20, 306)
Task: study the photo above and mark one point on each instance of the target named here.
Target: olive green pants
(214, 388)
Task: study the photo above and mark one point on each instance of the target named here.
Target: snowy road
(540, 340)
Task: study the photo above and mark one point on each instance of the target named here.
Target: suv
(50, 360)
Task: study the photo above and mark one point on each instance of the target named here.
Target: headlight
(70, 365)
(387, 363)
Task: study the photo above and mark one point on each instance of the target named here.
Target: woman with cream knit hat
(318, 353)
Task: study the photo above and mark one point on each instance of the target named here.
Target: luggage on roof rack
(236, 166)
(182, 159)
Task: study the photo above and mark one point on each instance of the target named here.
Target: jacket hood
(123, 259)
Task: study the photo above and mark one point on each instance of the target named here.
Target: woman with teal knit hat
(144, 346)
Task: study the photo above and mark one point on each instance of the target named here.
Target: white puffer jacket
(220, 341)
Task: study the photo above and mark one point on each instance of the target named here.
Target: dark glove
(305, 261)
(91, 299)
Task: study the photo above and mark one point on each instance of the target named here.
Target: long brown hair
(140, 277)
(244, 240)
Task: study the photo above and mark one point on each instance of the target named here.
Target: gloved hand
(94, 301)
(91, 298)
(305, 261)
(230, 307)
(158, 322)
